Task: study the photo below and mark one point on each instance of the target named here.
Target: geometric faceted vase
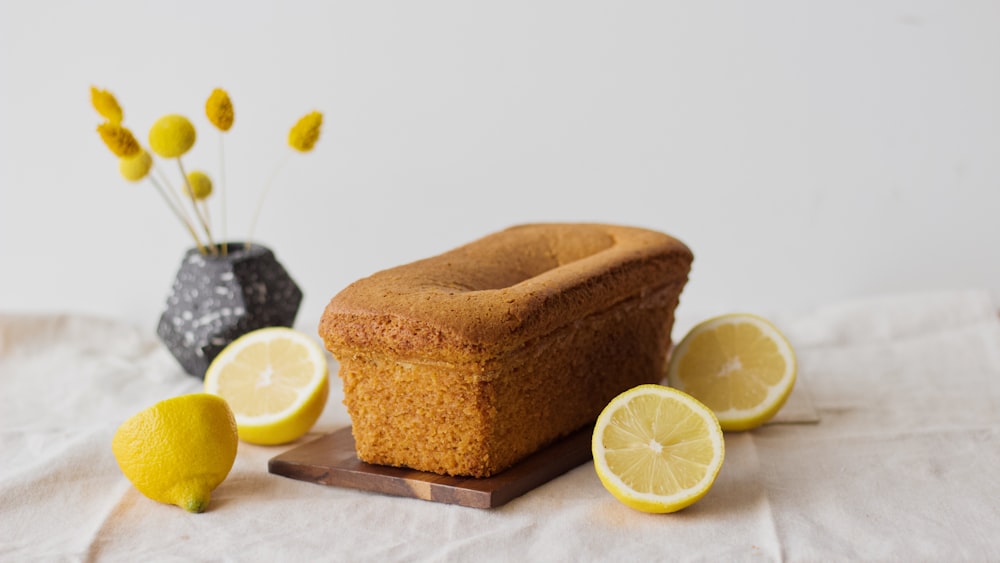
(216, 299)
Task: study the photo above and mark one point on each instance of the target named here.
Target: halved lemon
(657, 449)
(739, 365)
(276, 381)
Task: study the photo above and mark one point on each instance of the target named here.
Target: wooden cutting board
(331, 460)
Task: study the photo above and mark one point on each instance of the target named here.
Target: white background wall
(808, 152)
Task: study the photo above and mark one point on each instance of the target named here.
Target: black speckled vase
(217, 299)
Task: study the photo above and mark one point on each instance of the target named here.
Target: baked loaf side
(466, 362)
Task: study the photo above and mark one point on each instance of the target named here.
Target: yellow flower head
(199, 184)
(119, 139)
(219, 109)
(106, 105)
(171, 136)
(135, 168)
(305, 133)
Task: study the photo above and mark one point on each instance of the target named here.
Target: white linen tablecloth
(902, 463)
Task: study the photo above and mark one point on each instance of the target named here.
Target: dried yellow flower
(135, 168)
(171, 136)
(219, 109)
(305, 133)
(174, 135)
(119, 139)
(199, 185)
(106, 105)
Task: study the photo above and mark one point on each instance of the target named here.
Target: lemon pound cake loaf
(465, 363)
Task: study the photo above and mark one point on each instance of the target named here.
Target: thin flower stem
(197, 212)
(163, 178)
(177, 213)
(263, 194)
(222, 193)
(170, 191)
(174, 200)
(205, 211)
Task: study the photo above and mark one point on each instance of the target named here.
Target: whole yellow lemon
(178, 450)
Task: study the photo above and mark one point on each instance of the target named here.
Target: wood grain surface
(331, 460)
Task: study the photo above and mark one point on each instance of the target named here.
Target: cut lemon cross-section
(738, 365)
(276, 381)
(657, 449)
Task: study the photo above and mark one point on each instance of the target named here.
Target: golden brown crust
(498, 292)
(466, 362)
